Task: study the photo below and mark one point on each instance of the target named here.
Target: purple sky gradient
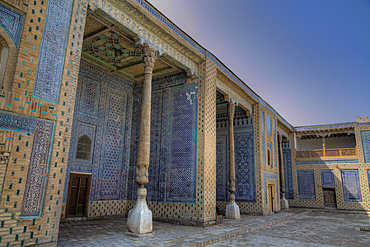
(309, 59)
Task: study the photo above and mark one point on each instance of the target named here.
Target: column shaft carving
(139, 220)
(143, 149)
(232, 209)
(284, 201)
(231, 113)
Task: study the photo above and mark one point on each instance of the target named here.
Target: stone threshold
(240, 231)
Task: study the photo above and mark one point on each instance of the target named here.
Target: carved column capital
(231, 110)
(149, 55)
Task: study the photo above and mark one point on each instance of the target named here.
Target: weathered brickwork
(70, 103)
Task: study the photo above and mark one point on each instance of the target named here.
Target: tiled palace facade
(103, 102)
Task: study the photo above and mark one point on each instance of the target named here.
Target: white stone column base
(232, 211)
(139, 220)
(284, 204)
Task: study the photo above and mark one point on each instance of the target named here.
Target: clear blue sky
(309, 59)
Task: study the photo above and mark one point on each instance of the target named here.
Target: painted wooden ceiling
(115, 48)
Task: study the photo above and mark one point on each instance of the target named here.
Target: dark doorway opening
(78, 195)
(329, 198)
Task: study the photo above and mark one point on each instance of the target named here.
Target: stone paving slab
(312, 229)
(112, 232)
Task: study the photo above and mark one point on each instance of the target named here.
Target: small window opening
(83, 148)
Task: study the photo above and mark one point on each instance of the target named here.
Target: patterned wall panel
(306, 185)
(108, 125)
(52, 50)
(182, 145)
(37, 173)
(173, 147)
(365, 136)
(12, 21)
(90, 97)
(244, 160)
(244, 167)
(327, 178)
(222, 172)
(113, 142)
(268, 125)
(275, 143)
(351, 186)
(289, 192)
(368, 177)
(263, 137)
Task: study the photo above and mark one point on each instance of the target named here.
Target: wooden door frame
(335, 195)
(78, 174)
(271, 197)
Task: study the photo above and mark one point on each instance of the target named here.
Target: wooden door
(271, 198)
(78, 195)
(329, 198)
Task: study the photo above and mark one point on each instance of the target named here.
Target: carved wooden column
(232, 209)
(139, 219)
(284, 201)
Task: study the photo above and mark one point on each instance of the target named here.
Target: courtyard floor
(293, 227)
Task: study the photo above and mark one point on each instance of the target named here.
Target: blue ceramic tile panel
(43, 134)
(365, 136)
(271, 176)
(155, 142)
(182, 144)
(222, 172)
(327, 178)
(289, 193)
(244, 160)
(275, 142)
(90, 97)
(306, 185)
(244, 167)
(12, 21)
(263, 137)
(351, 186)
(105, 109)
(173, 133)
(268, 124)
(52, 50)
(113, 142)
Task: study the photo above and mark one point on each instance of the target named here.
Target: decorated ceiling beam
(233, 96)
(145, 35)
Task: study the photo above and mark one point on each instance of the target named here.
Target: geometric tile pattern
(11, 20)
(244, 160)
(327, 178)
(275, 142)
(306, 185)
(365, 136)
(263, 137)
(268, 124)
(90, 97)
(52, 50)
(222, 168)
(289, 192)
(105, 116)
(172, 143)
(37, 173)
(351, 186)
